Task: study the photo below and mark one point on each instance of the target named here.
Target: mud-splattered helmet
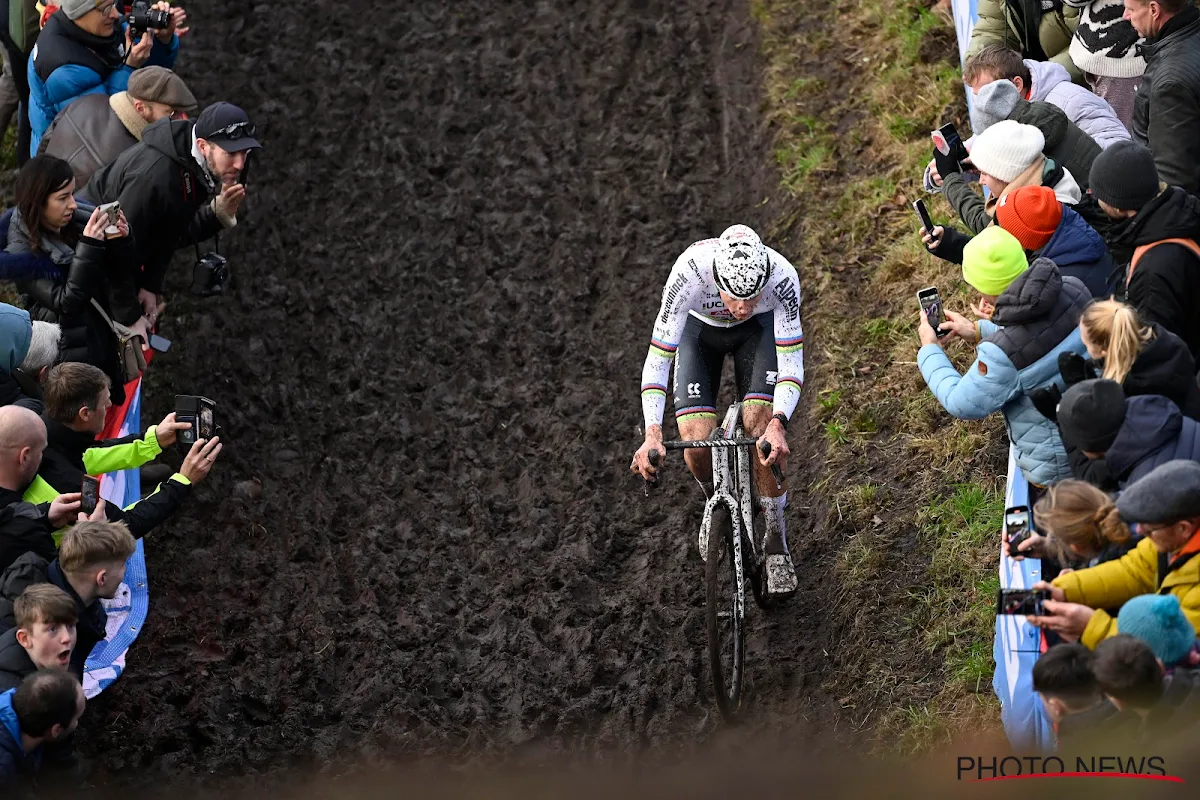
(742, 266)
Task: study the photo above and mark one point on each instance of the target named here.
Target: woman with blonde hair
(1144, 359)
(1081, 524)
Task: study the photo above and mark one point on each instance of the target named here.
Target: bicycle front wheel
(726, 637)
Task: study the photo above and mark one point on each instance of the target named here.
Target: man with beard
(85, 49)
(179, 186)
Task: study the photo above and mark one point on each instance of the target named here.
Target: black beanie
(1091, 413)
(1124, 176)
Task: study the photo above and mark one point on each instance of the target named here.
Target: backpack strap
(1141, 250)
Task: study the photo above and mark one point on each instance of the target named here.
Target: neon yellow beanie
(993, 260)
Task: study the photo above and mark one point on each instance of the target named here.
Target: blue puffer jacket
(15, 764)
(68, 62)
(1079, 252)
(1036, 318)
(1154, 432)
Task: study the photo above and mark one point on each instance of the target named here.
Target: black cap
(228, 127)
(1124, 176)
(1091, 414)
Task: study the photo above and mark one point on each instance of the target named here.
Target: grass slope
(908, 500)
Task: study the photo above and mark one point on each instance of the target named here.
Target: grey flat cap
(1168, 493)
(161, 85)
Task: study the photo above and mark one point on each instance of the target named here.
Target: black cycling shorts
(698, 361)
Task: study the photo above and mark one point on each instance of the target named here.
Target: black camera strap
(216, 246)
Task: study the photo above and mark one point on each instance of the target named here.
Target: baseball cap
(228, 127)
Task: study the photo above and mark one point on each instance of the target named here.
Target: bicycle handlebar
(711, 443)
(765, 448)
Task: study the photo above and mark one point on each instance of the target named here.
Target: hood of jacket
(1074, 241)
(16, 331)
(1165, 366)
(172, 138)
(1174, 214)
(1031, 296)
(1046, 75)
(1151, 423)
(1047, 118)
(15, 663)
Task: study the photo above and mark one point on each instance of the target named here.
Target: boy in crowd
(45, 709)
(1128, 674)
(43, 638)
(1063, 679)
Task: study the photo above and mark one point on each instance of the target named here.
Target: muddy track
(455, 244)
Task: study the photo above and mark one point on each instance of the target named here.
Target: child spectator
(43, 638)
(1158, 620)
(1132, 435)
(1035, 317)
(1166, 506)
(1128, 674)
(1063, 679)
(1081, 524)
(45, 709)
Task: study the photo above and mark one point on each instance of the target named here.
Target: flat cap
(161, 85)
(1168, 493)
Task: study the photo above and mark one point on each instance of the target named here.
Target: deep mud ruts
(455, 245)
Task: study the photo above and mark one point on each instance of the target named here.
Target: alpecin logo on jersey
(670, 296)
(695, 269)
(785, 293)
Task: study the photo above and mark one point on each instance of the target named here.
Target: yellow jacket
(1110, 584)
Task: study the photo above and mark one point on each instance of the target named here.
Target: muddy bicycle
(734, 550)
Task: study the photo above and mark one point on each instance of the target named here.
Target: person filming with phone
(83, 262)
(182, 184)
(1028, 315)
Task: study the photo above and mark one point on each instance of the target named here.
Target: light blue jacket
(1036, 319)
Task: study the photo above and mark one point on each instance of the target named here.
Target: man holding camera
(87, 48)
(182, 184)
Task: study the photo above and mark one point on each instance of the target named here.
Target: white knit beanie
(1006, 149)
(1104, 43)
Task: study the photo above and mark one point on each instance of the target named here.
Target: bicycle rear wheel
(726, 639)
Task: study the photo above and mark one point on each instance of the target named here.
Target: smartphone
(1016, 526)
(159, 344)
(923, 213)
(113, 210)
(948, 142)
(931, 304)
(244, 177)
(1022, 601)
(199, 411)
(91, 494)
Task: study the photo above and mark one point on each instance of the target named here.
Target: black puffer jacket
(1154, 432)
(1165, 285)
(15, 663)
(1165, 366)
(1066, 143)
(66, 298)
(1166, 109)
(165, 194)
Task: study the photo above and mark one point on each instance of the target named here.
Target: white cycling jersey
(691, 291)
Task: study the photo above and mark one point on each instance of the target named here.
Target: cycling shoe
(780, 575)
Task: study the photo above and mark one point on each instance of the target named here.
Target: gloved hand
(945, 164)
(1046, 401)
(1074, 368)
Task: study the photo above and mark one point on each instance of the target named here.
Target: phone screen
(1016, 523)
(931, 304)
(158, 343)
(206, 422)
(923, 213)
(90, 490)
(1021, 601)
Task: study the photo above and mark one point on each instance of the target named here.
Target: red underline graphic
(1168, 778)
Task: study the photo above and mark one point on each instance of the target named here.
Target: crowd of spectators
(118, 171)
(1080, 235)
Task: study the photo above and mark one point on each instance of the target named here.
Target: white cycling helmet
(742, 266)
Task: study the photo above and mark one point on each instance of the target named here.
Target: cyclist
(731, 295)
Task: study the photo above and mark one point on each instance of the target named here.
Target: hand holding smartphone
(1022, 602)
(1016, 527)
(90, 490)
(931, 304)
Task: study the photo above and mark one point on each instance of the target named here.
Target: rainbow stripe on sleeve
(789, 345)
(789, 379)
(663, 349)
(654, 388)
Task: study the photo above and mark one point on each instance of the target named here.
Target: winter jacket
(72, 454)
(20, 575)
(1023, 26)
(68, 62)
(165, 194)
(24, 528)
(15, 662)
(1165, 366)
(17, 768)
(1036, 318)
(1179, 706)
(1166, 108)
(65, 297)
(977, 213)
(16, 332)
(89, 133)
(1092, 113)
(1066, 142)
(1143, 570)
(1153, 433)
(1165, 286)
(1075, 248)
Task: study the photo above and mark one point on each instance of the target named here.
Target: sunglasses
(235, 131)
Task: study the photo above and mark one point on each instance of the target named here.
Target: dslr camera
(142, 17)
(201, 413)
(210, 275)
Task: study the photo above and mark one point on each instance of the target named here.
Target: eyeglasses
(235, 131)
